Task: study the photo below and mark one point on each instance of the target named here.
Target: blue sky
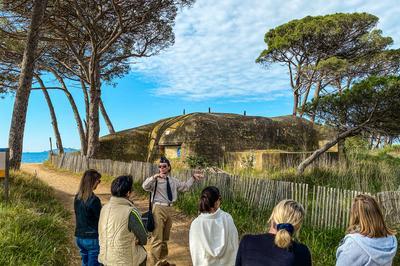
(210, 65)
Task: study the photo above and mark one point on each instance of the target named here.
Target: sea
(35, 157)
(40, 157)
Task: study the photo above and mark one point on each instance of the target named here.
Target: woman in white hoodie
(369, 241)
(213, 237)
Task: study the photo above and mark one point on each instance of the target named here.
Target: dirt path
(66, 185)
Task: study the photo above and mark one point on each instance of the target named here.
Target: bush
(249, 161)
(194, 161)
(356, 144)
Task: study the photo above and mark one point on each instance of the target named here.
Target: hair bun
(209, 196)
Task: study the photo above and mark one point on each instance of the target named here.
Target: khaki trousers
(160, 235)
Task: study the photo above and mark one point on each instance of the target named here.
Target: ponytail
(283, 238)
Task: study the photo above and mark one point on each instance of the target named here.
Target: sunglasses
(162, 166)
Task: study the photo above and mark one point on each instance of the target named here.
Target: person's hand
(198, 174)
(160, 175)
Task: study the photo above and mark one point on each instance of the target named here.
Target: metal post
(6, 180)
(51, 147)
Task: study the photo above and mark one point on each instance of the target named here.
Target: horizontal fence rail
(325, 207)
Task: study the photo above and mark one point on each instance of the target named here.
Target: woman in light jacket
(369, 241)
(213, 237)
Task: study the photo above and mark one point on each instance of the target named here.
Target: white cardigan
(213, 239)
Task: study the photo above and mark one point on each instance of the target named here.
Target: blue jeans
(89, 249)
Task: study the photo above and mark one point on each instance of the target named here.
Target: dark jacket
(87, 217)
(260, 250)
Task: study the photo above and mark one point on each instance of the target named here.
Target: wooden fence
(326, 207)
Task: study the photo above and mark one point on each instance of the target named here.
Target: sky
(212, 64)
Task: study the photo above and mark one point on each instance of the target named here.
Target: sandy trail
(66, 184)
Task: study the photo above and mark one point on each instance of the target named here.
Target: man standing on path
(164, 189)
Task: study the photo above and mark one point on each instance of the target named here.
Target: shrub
(194, 161)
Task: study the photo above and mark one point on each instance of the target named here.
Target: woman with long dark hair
(87, 208)
(213, 237)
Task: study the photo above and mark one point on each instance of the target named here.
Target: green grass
(365, 171)
(370, 172)
(33, 225)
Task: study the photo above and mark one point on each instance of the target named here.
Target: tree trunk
(52, 115)
(302, 166)
(106, 117)
(94, 94)
(342, 153)
(303, 105)
(316, 98)
(86, 98)
(85, 122)
(75, 111)
(389, 140)
(16, 136)
(371, 141)
(295, 102)
(378, 141)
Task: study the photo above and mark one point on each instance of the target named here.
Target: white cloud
(217, 43)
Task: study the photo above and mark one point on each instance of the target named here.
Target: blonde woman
(277, 247)
(369, 241)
